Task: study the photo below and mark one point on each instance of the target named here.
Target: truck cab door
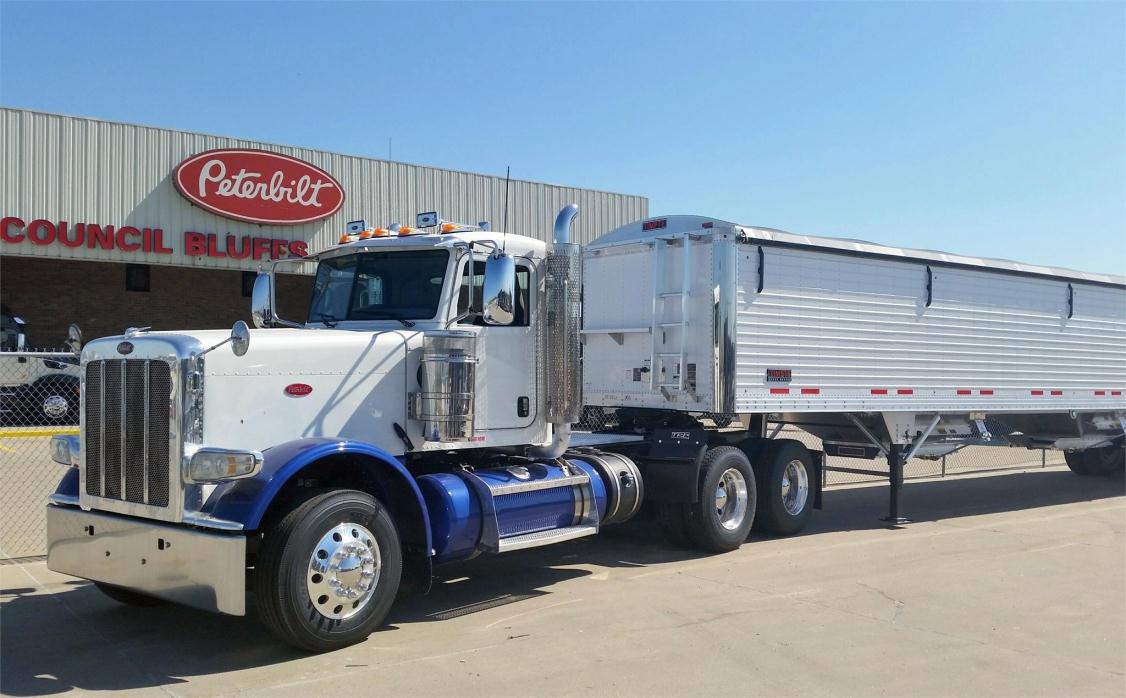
(506, 369)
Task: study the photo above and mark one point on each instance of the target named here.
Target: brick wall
(51, 294)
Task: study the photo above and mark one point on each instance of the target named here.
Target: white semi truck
(421, 413)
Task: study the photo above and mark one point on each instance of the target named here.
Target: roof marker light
(406, 230)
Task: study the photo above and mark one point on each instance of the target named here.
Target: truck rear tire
(328, 571)
(128, 596)
(721, 518)
(1093, 462)
(784, 471)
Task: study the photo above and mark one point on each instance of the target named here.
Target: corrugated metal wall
(88, 171)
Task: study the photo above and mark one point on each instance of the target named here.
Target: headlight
(216, 464)
(64, 450)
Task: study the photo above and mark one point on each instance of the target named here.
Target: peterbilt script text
(247, 185)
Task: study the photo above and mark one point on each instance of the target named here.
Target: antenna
(504, 227)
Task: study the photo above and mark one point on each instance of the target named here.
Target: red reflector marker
(905, 391)
(1116, 393)
(879, 391)
(1037, 392)
(1100, 393)
(1057, 392)
(963, 391)
(298, 389)
(811, 391)
(986, 392)
(779, 391)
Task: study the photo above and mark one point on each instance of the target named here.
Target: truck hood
(296, 383)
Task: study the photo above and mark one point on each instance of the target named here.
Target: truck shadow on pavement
(70, 636)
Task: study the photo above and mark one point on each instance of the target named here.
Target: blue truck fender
(247, 500)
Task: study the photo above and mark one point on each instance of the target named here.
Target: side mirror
(498, 307)
(240, 338)
(74, 339)
(261, 301)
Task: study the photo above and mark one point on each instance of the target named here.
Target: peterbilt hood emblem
(125, 348)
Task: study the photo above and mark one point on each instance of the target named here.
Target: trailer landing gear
(895, 476)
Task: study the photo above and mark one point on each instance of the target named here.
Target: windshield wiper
(328, 320)
(389, 315)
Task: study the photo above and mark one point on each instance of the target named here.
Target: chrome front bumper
(184, 565)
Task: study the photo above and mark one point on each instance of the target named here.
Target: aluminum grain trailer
(876, 350)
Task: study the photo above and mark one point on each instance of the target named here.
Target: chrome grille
(127, 430)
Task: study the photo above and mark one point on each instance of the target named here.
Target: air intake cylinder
(445, 403)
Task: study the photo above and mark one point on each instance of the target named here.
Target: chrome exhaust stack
(559, 333)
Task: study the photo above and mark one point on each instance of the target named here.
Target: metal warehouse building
(114, 225)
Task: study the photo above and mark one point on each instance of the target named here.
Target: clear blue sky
(990, 129)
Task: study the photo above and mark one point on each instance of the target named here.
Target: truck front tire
(328, 571)
(721, 518)
(785, 475)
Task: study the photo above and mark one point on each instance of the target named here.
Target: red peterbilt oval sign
(258, 186)
(298, 389)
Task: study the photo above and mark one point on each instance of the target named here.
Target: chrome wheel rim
(795, 487)
(343, 571)
(55, 406)
(731, 499)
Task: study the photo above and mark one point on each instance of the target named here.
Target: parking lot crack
(897, 603)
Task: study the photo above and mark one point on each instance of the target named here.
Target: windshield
(402, 285)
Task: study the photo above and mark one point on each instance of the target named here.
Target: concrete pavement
(1008, 584)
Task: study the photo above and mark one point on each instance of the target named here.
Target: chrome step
(534, 540)
(544, 484)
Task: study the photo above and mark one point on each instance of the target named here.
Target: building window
(248, 278)
(137, 277)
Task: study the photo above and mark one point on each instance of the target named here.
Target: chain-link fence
(967, 460)
(39, 394)
(971, 459)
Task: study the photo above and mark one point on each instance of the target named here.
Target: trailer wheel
(785, 487)
(1107, 460)
(721, 518)
(128, 596)
(328, 571)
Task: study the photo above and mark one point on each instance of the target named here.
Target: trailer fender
(247, 501)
